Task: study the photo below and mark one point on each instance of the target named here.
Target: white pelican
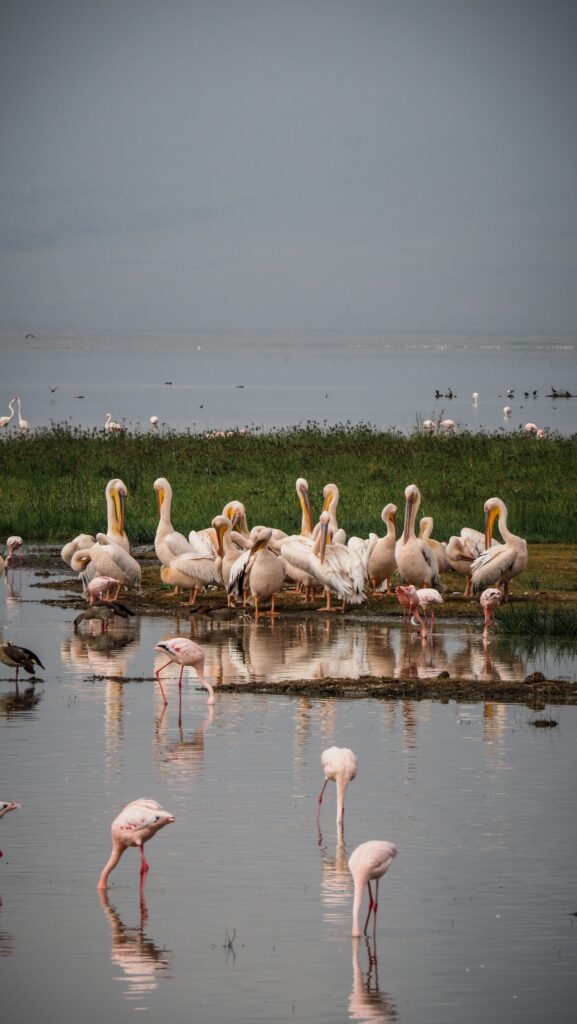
(382, 562)
(168, 543)
(429, 425)
(416, 559)
(5, 420)
(109, 559)
(79, 543)
(112, 426)
(116, 492)
(339, 568)
(499, 564)
(267, 570)
(462, 551)
(439, 546)
(23, 425)
(331, 497)
(229, 552)
(302, 579)
(191, 572)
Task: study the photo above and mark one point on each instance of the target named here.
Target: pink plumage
(490, 600)
(134, 826)
(183, 652)
(339, 765)
(369, 862)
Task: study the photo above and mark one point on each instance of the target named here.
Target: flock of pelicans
(258, 563)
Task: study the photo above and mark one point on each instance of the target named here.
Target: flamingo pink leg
(144, 867)
(371, 905)
(157, 674)
(321, 800)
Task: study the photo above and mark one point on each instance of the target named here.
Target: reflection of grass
(535, 621)
(53, 480)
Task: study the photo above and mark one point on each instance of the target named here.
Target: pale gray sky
(289, 164)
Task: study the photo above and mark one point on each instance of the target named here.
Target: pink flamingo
(407, 597)
(5, 806)
(369, 862)
(183, 652)
(428, 596)
(490, 600)
(13, 544)
(100, 587)
(134, 826)
(339, 765)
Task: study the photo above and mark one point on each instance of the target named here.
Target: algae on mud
(54, 479)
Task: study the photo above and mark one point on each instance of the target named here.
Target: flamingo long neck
(208, 686)
(341, 787)
(357, 900)
(116, 854)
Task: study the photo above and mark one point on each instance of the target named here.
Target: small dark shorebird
(19, 657)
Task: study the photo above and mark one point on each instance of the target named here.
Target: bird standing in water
(369, 862)
(134, 826)
(183, 652)
(19, 657)
(490, 600)
(339, 765)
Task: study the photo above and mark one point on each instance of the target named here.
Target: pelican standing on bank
(168, 543)
(267, 570)
(134, 826)
(416, 559)
(382, 561)
(105, 558)
(499, 564)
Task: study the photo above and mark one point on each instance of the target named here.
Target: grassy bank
(53, 481)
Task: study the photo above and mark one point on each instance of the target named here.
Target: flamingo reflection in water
(336, 882)
(141, 960)
(366, 1001)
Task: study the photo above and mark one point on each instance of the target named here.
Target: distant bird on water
(339, 765)
(5, 806)
(154, 422)
(183, 651)
(19, 657)
(134, 826)
(368, 863)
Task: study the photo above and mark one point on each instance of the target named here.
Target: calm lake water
(198, 382)
(247, 913)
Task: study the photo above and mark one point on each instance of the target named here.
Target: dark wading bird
(19, 657)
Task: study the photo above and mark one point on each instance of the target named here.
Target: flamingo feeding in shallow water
(183, 652)
(134, 826)
(490, 600)
(340, 765)
(368, 863)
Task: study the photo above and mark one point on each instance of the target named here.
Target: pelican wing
(238, 575)
(491, 566)
(198, 567)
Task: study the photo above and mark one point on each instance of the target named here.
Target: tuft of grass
(531, 620)
(53, 479)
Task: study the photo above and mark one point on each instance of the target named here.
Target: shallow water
(247, 910)
(202, 382)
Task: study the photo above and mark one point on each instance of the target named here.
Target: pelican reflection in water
(142, 962)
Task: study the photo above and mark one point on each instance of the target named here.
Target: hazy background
(266, 164)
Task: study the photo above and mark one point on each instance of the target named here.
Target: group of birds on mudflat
(256, 564)
(449, 426)
(261, 560)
